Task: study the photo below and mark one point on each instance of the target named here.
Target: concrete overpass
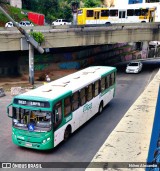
(71, 36)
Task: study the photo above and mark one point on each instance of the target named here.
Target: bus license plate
(28, 144)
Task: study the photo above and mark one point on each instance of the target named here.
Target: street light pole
(31, 64)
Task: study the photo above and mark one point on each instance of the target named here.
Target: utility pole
(32, 44)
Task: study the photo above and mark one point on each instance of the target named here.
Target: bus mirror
(9, 110)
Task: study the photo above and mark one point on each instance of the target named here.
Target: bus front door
(122, 16)
(97, 17)
(151, 15)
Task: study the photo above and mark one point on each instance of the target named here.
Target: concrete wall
(87, 36)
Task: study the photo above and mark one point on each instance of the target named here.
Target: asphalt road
(84, 143)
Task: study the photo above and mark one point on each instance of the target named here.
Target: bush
(38, 36)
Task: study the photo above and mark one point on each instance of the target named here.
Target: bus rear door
(122, 16)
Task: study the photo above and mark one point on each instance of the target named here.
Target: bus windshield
(32, 120)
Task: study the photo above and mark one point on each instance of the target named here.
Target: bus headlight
(48, 139)
(14, 135)
(45, 140)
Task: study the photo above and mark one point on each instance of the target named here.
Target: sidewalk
(130, 140)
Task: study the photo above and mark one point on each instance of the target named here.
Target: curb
(130, 140)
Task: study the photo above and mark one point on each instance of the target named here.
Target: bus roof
(70, 83)
(138, 5)
(128, 6)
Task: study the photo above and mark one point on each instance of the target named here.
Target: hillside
(16, 13)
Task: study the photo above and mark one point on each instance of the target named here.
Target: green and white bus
(47, 115)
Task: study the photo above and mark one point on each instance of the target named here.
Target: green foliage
(91, 3)
(38, 36)
(15, 13)
(52, 9)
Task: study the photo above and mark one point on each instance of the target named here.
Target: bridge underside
(16, 63)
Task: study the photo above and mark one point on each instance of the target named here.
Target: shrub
(38, 36)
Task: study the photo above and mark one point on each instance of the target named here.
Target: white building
(16, 3)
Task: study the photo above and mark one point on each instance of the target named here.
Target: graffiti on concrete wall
(40, 67)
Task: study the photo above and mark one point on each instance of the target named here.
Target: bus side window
(75, 101)
(104, 13)
(144, 12)
(113, 13)
(89, 13)
(112, 78)
(130, 12)
(96, 88)
(107, 82)
(102, 84)
(57, 113)
(89, 92)
(83, 96)
(137, 12)
(67, 106)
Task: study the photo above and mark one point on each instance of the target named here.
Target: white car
(25, 23)
(134, 67)
(61, 22)
(9, 24)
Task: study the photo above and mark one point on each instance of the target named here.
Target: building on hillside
(16, 3)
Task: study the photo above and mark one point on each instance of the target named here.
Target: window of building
(67, 106)
(75, 101)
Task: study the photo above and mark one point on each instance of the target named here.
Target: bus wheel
(100, 108)
(108, 24)
(67, 133)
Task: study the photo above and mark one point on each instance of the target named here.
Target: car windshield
(32, 120)
(28, 23)
(65, 20)
(133, 64)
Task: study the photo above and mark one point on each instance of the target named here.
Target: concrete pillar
(144, 52)
(74, 18)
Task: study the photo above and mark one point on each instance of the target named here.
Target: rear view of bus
(47, 115)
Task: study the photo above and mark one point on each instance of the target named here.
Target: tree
(91, 3)
(49, 8)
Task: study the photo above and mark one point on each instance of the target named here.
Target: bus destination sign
(31, 103)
